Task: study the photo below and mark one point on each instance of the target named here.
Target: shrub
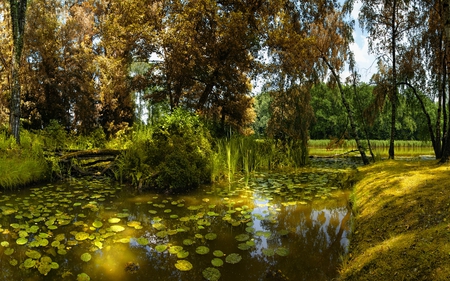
(176, 157)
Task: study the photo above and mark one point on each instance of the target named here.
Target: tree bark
(17, 10)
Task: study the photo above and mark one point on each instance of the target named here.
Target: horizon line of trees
(90, 64)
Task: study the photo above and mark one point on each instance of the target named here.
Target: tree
(18, 10)
(5, 62)
(208, 50)
(332, 38)
(388, 23)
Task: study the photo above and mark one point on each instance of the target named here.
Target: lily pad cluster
(52, 221)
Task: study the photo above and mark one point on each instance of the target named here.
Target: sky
(365, 62)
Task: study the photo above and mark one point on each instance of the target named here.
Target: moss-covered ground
(401, 226)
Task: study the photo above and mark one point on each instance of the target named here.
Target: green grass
(380, 148)
(401, 227)
(24, 164)
(18, 171)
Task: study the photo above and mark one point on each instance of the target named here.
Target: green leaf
(183, 265)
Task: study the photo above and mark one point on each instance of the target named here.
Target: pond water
(273, 226)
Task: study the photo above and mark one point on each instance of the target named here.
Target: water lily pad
(210, 236)
(244, 246)
(29, 263)
(13, 262)
(242, 237)
(54, 265)
(233, 258)
(182, 254)
(282, 251)
(44, 268)
(211, 274)
(175, 249)
(4, 244)
(80, 236)
(202, 250)
(117, 228)
(9, 251)
(217, 262)
(122, 215)
(113, 220)
(86, 257)
(183, 265)
(188, 242)
(218, 253)
(97, 224)
(161, 234)
(83, 277)
(161, 248)
(33, 254)
(142, 241)
(22, 241)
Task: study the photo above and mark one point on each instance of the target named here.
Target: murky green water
(277, 226)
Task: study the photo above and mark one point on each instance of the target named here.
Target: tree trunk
(394, 82)
(349, 113)
(17, 10)
(446, 147)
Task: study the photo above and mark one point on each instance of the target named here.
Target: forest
(161, 129)
(90, 65)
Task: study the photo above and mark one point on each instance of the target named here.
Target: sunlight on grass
(401, 228)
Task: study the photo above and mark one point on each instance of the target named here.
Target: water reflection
(297, 228)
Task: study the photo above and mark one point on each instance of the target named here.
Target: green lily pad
(22, 241)
(83, 277)
(117, 228)
(210, 236)
(161, 248)
(162, 234)
(183, 265)
(122, 215)
(242, 237)
(182, 254)
(13, 262)
(211, 274)
(113, 220)
(5, 244)
(188, 242)
(217, 262)
(80, 236)
(29, 263)
(86, 257)
(44, 268)
(97, 224)
(244, 246)
(202, 250)
(233, 258)
(54, 265)
(175, 249)
(142, 241)
(282, 251)
(218, 253)
(9, 251)
(33, 254)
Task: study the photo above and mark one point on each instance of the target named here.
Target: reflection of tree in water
(316, 242)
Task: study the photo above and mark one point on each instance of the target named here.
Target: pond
(272, 226)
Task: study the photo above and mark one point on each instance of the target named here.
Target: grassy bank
(402, 223)
(21, 165)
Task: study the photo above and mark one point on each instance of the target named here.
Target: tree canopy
(92, 64)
